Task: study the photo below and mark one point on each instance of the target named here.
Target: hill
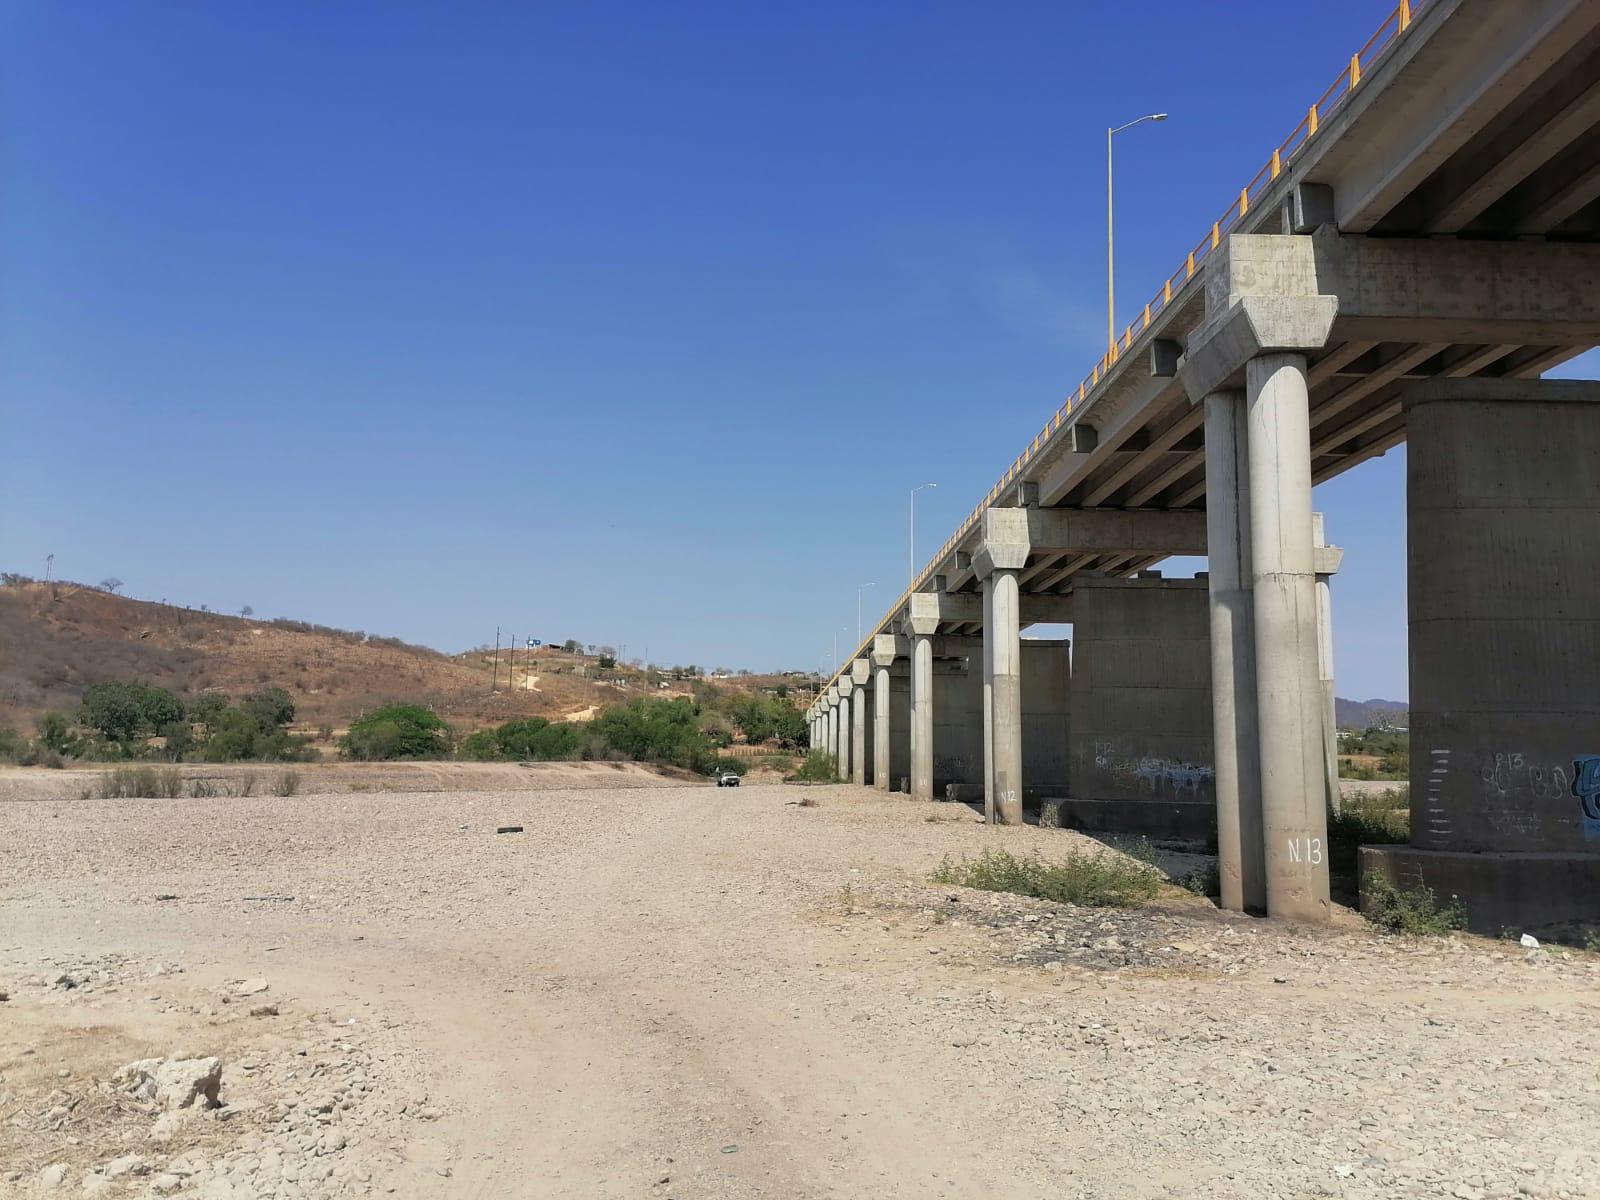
(62, 637)
(1365, 714)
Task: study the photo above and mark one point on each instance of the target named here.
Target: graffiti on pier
(1150, 773)
(1586, 787)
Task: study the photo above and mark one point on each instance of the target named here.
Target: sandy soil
(686, 992)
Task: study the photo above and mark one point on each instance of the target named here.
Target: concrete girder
(926, 616)
(860, 671)
(1424, 290)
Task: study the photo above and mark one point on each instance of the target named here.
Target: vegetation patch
(1103, 880)
(1383, 819)
(133, 783)
(1414, 911)
(818, 767)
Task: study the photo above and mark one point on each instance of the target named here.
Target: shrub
(818, 767)
(128, 783)
(664, 731)
(770, 719)
(1414, 911)
(124, 711)
(1106, 879)
(286, 783)
(397, 731)
(481, 745)
(54, 732)
(270, 708)
(1369, 820)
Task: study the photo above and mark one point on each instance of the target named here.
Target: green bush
(531, 740)
(769, 719)
(1105, 879)
(129, 783)
(1414, 911)
(1368, 820)
(54, 731)
(819, 767)
(127, 711)
(397, 731)
(661, 731)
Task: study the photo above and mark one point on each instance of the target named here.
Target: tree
(606, 662)
(247, 611)
(111, 584)
(271, 708)
(397, 731)
(54, 730)
(123, 711)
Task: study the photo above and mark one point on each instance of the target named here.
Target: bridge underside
(1435, 246)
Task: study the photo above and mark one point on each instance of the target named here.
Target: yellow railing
(1348, 81)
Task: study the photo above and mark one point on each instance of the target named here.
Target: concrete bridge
(1418, 251)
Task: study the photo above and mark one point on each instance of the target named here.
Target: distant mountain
(1364, 714)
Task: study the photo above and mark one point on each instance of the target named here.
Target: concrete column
(1289, 696)
(845, 689)
(1241, 851)
(1002, 688)
(1330, 725)
(921, 716)
(883, 656)
(858, 736)
(880, 728)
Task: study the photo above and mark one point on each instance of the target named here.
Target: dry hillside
(57, 639)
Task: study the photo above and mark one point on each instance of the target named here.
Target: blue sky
(625, 322)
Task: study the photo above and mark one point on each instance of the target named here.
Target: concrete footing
(1503, 504)
(1498, 891)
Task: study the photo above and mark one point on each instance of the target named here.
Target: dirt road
(685, 992)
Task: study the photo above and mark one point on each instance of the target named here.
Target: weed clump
(1099, 880)
(287, 783)
(818, 767)
(131, 783)
(1381, 820)
(1414, 911)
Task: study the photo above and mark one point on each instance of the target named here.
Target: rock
(52, 1177)
(93, 1185)
(250, 987)
(173, 1124)
(128, 1164)
(264, 1010)
(166, 1183)
(175, 1082)
(66, 982)
(1529, 942)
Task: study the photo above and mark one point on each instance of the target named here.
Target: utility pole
(511, 669)
(494, 685)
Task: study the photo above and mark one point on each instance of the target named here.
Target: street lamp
(1111, 275)
(859, 590)
(913, 552)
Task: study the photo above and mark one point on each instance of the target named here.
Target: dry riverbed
(676, 991)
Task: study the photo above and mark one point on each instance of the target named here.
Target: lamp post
(863, 587)
(1111, 274)
(913, 548)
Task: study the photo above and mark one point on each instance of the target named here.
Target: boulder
(175, 1083)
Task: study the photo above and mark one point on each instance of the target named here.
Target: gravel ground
(686, 992)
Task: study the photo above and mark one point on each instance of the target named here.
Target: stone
(175, 1083)
(52, 1177)
(250, 987)
(166, 1183)
(128, 1164)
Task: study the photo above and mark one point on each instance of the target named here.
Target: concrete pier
(922, 622)
(860, 675)
(1003, 694)
(1240, 849)
(1289, 697)
(1503, 492)
(1141, 732)
(846, 688)
(883, 657)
